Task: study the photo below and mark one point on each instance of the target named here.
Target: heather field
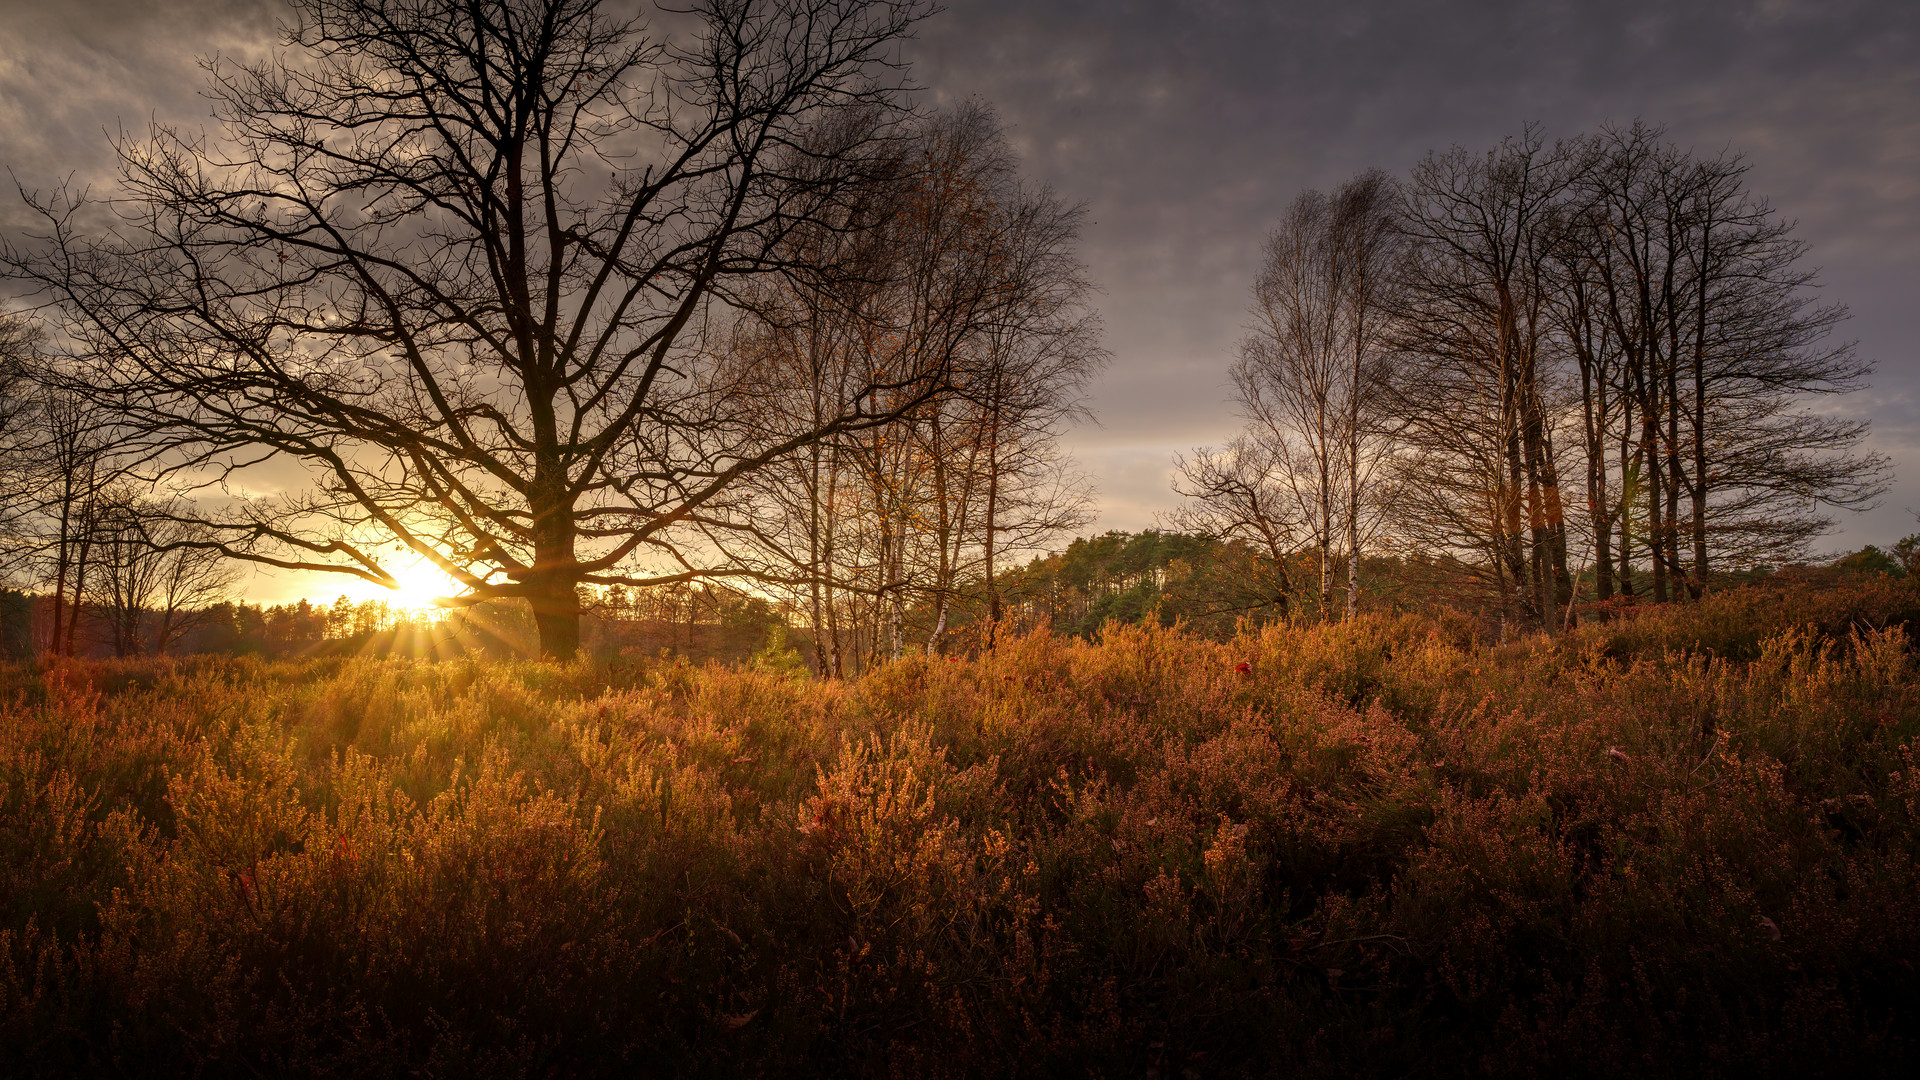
(1681, 843)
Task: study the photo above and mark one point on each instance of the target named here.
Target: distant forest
(1211, 587)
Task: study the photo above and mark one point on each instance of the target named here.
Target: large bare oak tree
(464, 260)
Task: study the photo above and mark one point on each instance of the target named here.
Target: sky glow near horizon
(1186, 128)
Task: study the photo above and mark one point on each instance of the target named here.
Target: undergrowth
(1678, 844)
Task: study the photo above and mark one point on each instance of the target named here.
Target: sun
(419, 586)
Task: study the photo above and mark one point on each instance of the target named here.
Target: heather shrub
(1679, 843)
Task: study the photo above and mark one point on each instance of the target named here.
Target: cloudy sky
(1186, 126)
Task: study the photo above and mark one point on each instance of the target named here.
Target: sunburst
(419, 587)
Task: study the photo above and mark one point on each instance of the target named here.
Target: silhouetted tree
(1699, 346)
(1308, 380)
(157, 571)
(1475, 400)
(465, 261)
(974, 272)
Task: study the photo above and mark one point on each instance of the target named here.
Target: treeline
(1217, 588)
(1154, 576)
(696, 623)
(1585, 367)
(29, 624)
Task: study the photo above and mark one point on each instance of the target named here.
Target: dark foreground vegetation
(1682, 843)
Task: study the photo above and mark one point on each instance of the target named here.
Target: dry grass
(1684, 844)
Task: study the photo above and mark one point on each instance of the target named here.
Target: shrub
(1679, 843)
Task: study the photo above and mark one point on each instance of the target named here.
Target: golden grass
(1682, 844)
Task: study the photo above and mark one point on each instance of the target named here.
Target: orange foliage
(1680, 844)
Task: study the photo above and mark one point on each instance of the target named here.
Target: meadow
(1680, 843)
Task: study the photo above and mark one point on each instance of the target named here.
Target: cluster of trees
(1553, 358)
(233, 627)
(28, 623)
(898, 524)
(697, 622)
(298, 629)
(126, 567)
(1207, 583)
(555, 300)
(1218, 588)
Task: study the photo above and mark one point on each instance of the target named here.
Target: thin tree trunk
(1699, 485)
(1353, 468)
(1593, 414)
(61, 565)
(1512, 505)
(1323, 453)
(1676, 474)
(1625, 506)
(992, 522)
(1652, 482)
(82, 557)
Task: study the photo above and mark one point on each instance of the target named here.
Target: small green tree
(779, 656)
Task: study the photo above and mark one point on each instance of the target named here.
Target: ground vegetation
(1681, 843)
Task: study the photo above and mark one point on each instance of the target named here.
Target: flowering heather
(1681, 843)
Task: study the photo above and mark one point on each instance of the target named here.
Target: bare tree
(465, 261)
(1289, 377)
(1308, 381)
(19, 480)
(1425, 346)
(1238, 496)
(1475, 403)
(901, 521)
(1686, 305)
(1366, 239)
(72, 461)
(1032, 388)
(157, 571)
(1032, 364)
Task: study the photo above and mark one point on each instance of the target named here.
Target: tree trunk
(1512, 511)
(993, 509)
(556, 611)
(1323, 454)
(82, 557)
(1556, 517)
(60, 568)
(946, 531)
(1676, 473)
(552, 582)
(1353, 566)
(556, 615)
(1353, 488)
(1654, 484)
(1699, 418)
(939, 627)
(1593, 402)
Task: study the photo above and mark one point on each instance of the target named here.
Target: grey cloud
(1186, 127)
(75, 75)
